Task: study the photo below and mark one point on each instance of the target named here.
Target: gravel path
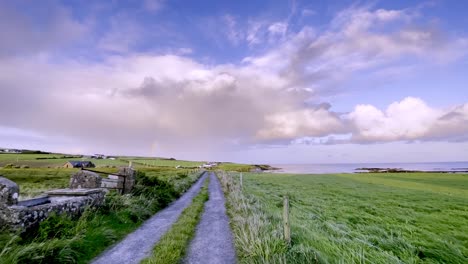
(139, 244)
(213, 243)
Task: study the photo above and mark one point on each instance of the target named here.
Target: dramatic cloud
(137, 101)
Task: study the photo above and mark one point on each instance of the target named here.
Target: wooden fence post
(286, 226)
(241, 183)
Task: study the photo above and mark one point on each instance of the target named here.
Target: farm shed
(79, 164)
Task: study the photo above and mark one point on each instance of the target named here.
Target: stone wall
(21, 217)
(24, 214)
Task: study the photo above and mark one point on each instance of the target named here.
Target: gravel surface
(139, 244)
(213, 243)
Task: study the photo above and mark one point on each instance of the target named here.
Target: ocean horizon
(351, 167)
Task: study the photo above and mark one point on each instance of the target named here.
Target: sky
(244, 81)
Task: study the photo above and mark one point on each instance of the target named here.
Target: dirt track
(213, 243)
(139, 244)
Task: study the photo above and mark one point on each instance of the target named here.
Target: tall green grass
(257, 235)
(33, 182)
(172, 246)
(357, 218)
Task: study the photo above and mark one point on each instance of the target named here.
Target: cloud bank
(129, 100)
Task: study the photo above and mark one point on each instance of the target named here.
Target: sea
(351, 167)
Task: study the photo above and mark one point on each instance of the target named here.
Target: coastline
(427, 167)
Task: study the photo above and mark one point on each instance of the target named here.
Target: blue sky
(263, 81)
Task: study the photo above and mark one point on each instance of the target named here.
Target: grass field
(352, 218)
(166, 162)
(58, 160)
(33, 182)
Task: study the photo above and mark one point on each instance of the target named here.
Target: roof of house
(79, 163)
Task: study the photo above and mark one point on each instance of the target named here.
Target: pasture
(352, 218)
(58, 160)
(159, 162)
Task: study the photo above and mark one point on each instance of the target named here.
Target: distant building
(209, 165)
(13, 151)
(79, 164)
(99, 156)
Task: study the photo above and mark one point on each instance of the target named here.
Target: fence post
(241, 183)
(286, 226)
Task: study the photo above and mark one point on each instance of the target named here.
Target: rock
(9, 192)
(84, 180)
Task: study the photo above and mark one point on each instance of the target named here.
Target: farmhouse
(16, 151)
(79, 164)
(99, 156)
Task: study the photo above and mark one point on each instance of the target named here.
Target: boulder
(9, 192)
(85, 180)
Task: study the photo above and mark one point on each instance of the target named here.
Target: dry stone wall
(21, 217)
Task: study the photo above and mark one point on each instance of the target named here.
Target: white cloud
(409, 119)
(233, 33)
(255, 32)
(300, 123)
(278, 28)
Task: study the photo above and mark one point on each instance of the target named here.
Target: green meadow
(351, 218)
(58, 160)
(165, 162)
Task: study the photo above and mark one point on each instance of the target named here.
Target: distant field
(57, 160)
(33, 182)
(50, 160)
(355, 218)
(167, 162)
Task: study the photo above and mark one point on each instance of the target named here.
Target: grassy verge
(351, 218)
(171, 248)
(257, 235)
(61, 239)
